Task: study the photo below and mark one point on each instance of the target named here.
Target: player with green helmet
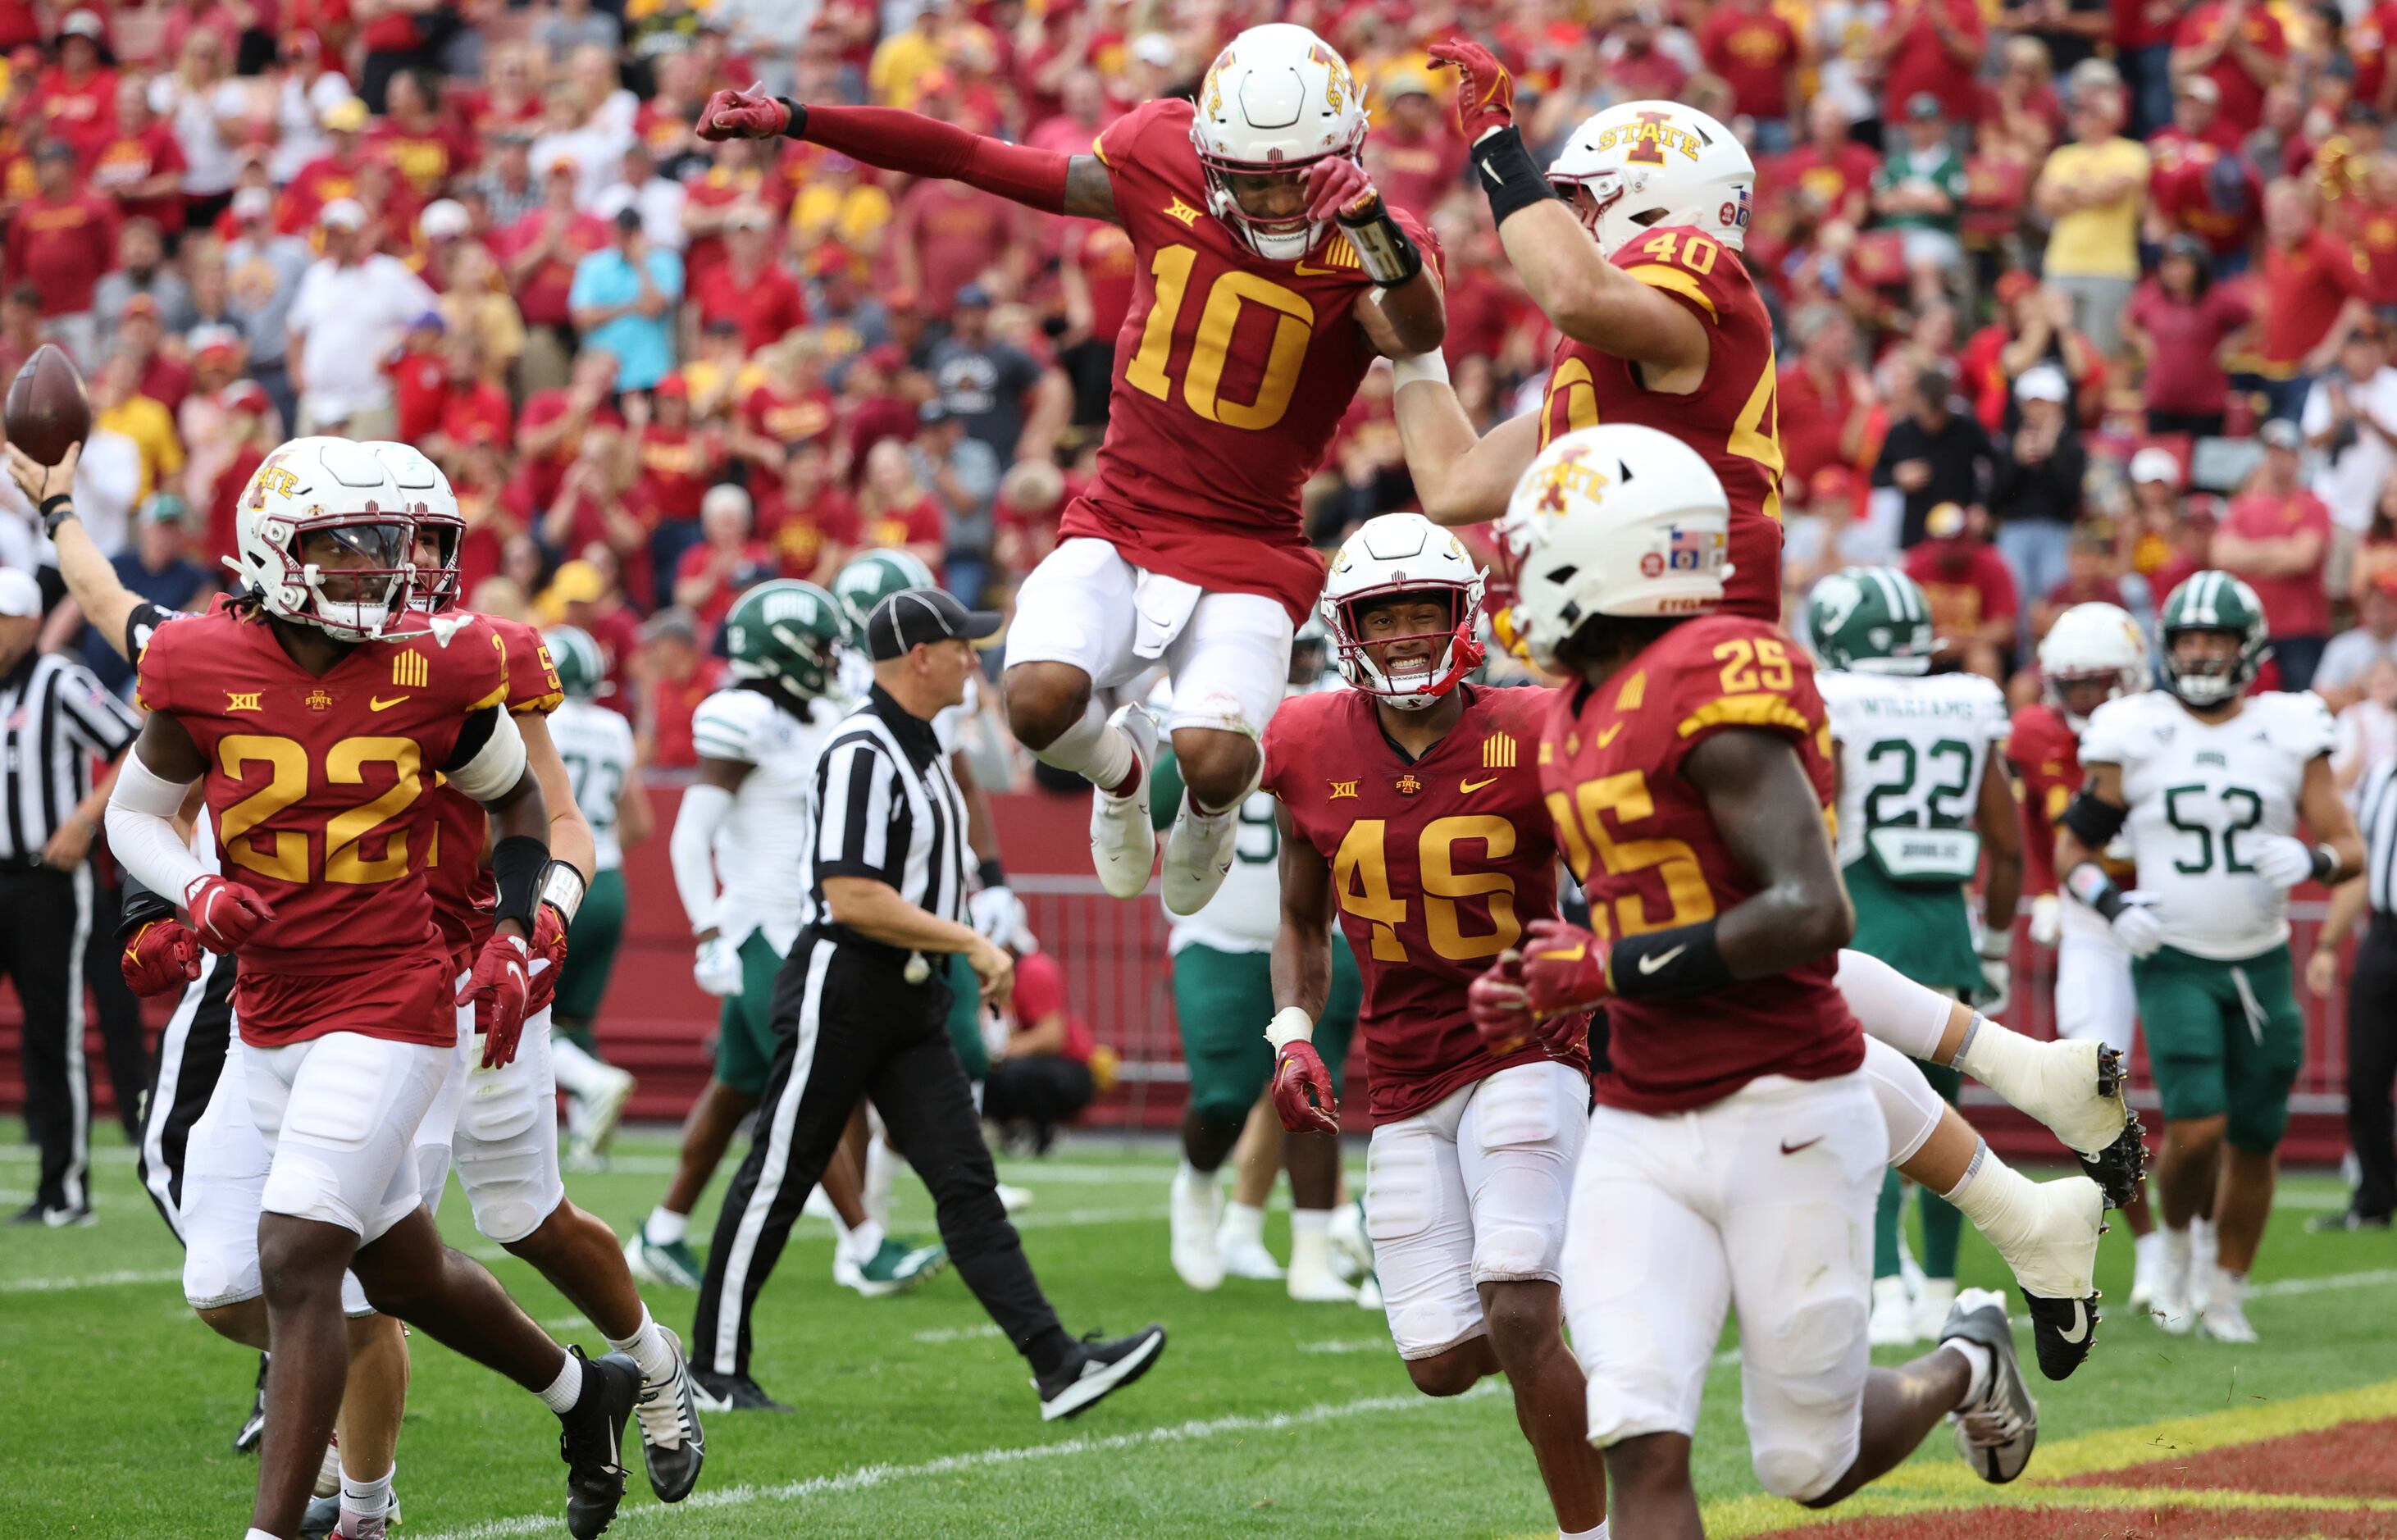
(2210, 783)
(872, 576)
(786, 635)
(1871, 620)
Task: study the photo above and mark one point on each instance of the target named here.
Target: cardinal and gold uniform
(2094, 997)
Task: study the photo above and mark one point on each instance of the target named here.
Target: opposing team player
(2211, 783)
(1410, 815)
(597, 747)
(1271, 276)
(1918, 809)
(2094, 654)
(346, 1001)
(1736, 1150)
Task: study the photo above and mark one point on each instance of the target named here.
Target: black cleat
(673, 1445)
(716, 1392)
(2347, 1219)
(1096, 1370)
(2121, 1166)
(1997, 1433)
(2110, 1072)
(592, 1439)
(2062, 1332)
(253, 1426)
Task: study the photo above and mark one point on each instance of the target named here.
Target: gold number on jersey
(1211, 349)
(286, 763)
(286, 782)
(1626, 796)
(1756, 433)
(1697, 254)
(1571, 379)
(345, 765)
(1748, 667)
(1360, 876)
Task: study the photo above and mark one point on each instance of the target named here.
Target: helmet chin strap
(1465, 656)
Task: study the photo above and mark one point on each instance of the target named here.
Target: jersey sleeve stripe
(1674, 281)
(1759, 710)
(497, 697)
(540, 706)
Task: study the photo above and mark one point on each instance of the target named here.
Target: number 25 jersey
(1232, 373)
(1642, 842)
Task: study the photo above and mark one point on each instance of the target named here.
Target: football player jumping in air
(346, 1001)
(2211, 782)
(1271, 276)
(1411, 814)
(1737, 1151)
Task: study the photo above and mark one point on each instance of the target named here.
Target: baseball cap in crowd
(444, 218)
(345, 116)
(1155, 48)
(2201, 88)
(674, 386)
(253, 203)
(2155, 463)
(628, 219)
(21, 596)
(2384, 582)
(828, 261)
(2281, 433)
(342, 214)
(165, 508)
(1922, 107)
(246, 396)
(1405, 83)
(887, 357)
(83, 23)
(578, 583)
(919, 617)
(2042, 383)
(972, 297)
(672, 620)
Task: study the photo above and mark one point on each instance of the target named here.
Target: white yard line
(89, 1280)
(939, 1335)
(1351, 1344)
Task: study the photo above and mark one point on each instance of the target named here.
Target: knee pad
(1799, 1475)
(506, 1154)
(213, 1280)
(1525, 1164)
(305, 1187)
(1399, 1180)
(1910, 1108)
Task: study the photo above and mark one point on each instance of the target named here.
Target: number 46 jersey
(2196, 789)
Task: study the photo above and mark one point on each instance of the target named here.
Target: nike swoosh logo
(1788, 1148)
(1655, 960)
(1305, 272)
(1464, 785)
(1608, 736)
(1490, 171)
(379, 703)
(2079, 1332)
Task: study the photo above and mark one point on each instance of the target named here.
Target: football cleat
(253, 1426)
(2074, 1087)
(1195, 1213)
(591, 1120)
(1123, 842)
(1197, 855)
(2121, 1166)
(672, 1444)
(1014, 1199)
(2346, 1220)
(1096, 1370)
(1352, 1249)
(2055, 1265)
(1319, 1285)
(1891, 1323)
(1996, 1433)
(896, 1267)
(2172, 1304)
(2225, 1320)
(590, 1440)
(323, 1518)
(670, 1266)
(2147, 1265)
(1368, 1291)
(1933, 1299)
(1249, 1259)
(716, 1392)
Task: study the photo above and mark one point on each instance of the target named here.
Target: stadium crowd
(2075, 297)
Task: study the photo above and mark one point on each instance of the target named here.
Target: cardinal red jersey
(2045, 753)
(1437, 866)
(1731, 418)
(321, 790)
(1639, 836)
(1231, 372)
(463, 889)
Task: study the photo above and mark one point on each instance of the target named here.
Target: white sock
(664, 1226)
(1598, 1533)
(1910, 1017)
(1094, 749)
(882, 1165)
(649, 1350)
(1983, 1366)
(578, 1073)
(2227, 1287)
(1310, 1240)
(258, 1535)
(2202, 1244)
(564, 1391)
(1242, 1223)
(2002, 1059)
(362, 1505)
(2003, 1205)
(860, 1244)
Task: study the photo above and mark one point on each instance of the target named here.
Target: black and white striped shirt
(2376, 818)
(887, 807)
(54, 717)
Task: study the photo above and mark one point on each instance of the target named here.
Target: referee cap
(919, 617)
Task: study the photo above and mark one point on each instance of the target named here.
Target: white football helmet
(1612, 520)
(339, 490)
(2093, 642)
(1643, 164)
(1275, 100)
(1395, 554)
(433, 507)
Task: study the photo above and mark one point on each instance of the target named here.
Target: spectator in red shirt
(549, 436)
(2177, 322)
(1823, 396)
(1831, 166)
(1756, 51)
(1974, 606)
(330, 176)
(674, 460)
(1932, 46)
(2088, 577)
(249, 423)
(2369, 216)
(2238, 43)
(676, 674)
(164, 378)
(1040, 1076)
(2203, 186)
(789, 408)
(423, 146)
(1032, 498)
(749, 287)
(589, 514)
(60, 240)
(20, 327)
(1082, 113)
(1414, 157)
(725, 563)
(142, 167)
(897, 511)
(2312, 295)
(2276, 534)
(946, 234)
(539, 252)
(74, 100)
(806, 519)
(420, 380)
(475, 405)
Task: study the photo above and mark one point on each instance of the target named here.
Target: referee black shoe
(1095, 1370)
(716, 1392)
(591, 1440)
(2346, 1219)
(253, 1426)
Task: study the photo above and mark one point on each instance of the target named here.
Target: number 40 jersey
(2196, 789)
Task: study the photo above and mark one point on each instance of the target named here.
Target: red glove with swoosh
(499, 990)
(743, 114)
(548, 959)
(225, 914)
(1336, 183)
(1298, 1071)
(162, 957)
(1485, 92)
(1564, 968)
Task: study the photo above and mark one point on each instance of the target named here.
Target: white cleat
(2058, 1256)
(1352, 1250)
(1368, 1291)
(2147, 1265)
(2225, 1320)
(1248, 1259)
(602, 1110)
(1197, 855)
(1123, 844)
(1195, 1212)
(1893, 1315)
(1320, 1286)
(2173, 1311)
(1012, 1199)
(1931, 1304)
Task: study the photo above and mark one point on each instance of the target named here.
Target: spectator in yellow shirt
(121, 408)
(2095, 190)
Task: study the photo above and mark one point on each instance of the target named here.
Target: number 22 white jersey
(596, 744)
(2196, 789)
(1913, 749)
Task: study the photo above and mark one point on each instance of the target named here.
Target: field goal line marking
(866, 1478)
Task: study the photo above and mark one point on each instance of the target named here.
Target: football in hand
(47, 412)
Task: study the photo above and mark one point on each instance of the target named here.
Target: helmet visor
(360, 560)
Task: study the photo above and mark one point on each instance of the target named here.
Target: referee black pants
(182, 1076)
(850, 1024)
(2372, 1068)
(45, 920)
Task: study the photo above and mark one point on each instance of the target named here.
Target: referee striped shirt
(888, 808)
(54, 718)
(2376, 803)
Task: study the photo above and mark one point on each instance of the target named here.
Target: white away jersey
(596, 744)
(761, 850)
(1912, 750)
(2195, 789)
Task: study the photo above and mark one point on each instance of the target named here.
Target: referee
(54, 719)
(2371, 1005)
(858, 1013)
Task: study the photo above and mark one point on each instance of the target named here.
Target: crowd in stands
(2074, 296)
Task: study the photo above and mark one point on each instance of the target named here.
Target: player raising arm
(1271, 276)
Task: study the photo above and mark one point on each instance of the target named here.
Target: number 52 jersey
(2196, 790)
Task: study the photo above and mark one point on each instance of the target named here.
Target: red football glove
(1496, 1002)
(1562, 1035)
(500, 991)
(1564, 968)
(225, 914)
(548, 959)
(1485, 92)
(1298, 1071)
(1336, 183)
(162, 957)
(743, 114)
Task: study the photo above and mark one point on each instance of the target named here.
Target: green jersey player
(2211, 783)
(1918, 809)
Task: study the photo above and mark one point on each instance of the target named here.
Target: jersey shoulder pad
(1989, 703)
(175, 661)
(2300, 722)
(462, 656)
(1730, 671)
(731, 724)
(1693, 267)
(2039, 732)
(534, 684)
(1518, 708)
(1148, 150)
(2119, 730)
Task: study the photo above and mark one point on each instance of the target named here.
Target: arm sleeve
(861, 828)
(141, 829)
(921, 146)
(692, 848)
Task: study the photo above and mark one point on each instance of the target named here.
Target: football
(47, 412)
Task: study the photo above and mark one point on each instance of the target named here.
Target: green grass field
(1263, 1417)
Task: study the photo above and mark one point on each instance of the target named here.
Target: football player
(1736, 1150)
(346, 1002)
(2211, 783)
(1918, 807)
(596, 746)
(1271, 276)
(2094, 654)
(1411, 814)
